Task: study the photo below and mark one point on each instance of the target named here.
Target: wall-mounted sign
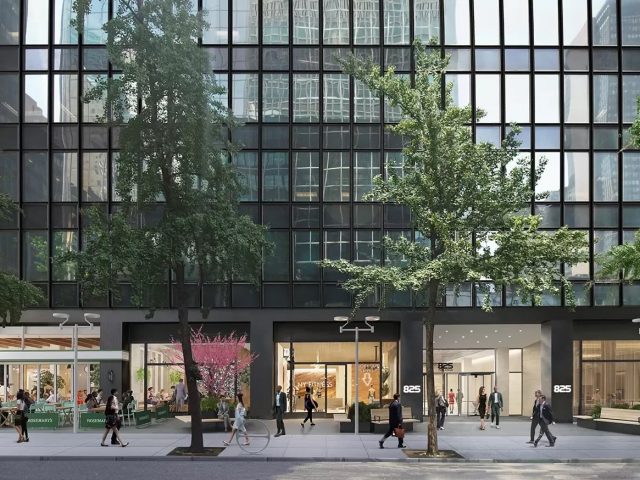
(444, 366)
(562, 389)
(412, 389)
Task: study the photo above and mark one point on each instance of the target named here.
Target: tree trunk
(190, 367)
(432, 431)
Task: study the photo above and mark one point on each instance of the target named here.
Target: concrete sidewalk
(320, 443)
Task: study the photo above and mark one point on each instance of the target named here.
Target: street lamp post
(369, 329)
(74, 344)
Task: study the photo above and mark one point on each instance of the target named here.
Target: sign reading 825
(411, 389)
(562, 389)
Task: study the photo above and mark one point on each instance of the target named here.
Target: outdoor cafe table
(67, 415)
(7, 420)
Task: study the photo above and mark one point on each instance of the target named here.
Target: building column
(411, 344)
(111, 373)
(556, 357)
(262, 387)
(502, 377)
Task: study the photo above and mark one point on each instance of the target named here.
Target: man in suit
(279, 407)
(495, 403)
(395, 421)
(535, 415)
(545, 417)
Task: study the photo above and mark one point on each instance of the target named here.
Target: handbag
(399, 432)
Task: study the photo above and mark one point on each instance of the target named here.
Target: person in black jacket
(395, 420)
(535, 416)
(545, 418)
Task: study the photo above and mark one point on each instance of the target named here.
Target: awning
(62, 356)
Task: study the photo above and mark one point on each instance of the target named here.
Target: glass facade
(566, 71)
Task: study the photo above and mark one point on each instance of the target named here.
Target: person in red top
(452, 400)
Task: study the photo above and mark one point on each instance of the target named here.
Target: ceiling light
(499, 341)
(462, 336)
(509, 336)
(477, 341)
(446, 331)
(439, 336)
(470, 331)
(455, 341)
(486, 336)
(495, 331)
(520, 330)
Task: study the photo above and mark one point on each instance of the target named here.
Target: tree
(15, 295)
(467, 202)
(177, 190)
(221, 361)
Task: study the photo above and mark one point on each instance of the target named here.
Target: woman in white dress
(238, 424)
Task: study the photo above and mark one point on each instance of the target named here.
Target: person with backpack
(309, 405)
(112, 420)
(441, 410)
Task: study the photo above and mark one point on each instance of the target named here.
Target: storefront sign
(162, 412)
(445, 366)
(142, 418)
(43, 420)
(562, 389)
(92, 420)
(411, 389)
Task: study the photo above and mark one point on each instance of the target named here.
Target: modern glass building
(567, 71)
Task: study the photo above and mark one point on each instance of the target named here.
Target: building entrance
(462, 389)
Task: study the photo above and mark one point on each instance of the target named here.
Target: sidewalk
(320, 443)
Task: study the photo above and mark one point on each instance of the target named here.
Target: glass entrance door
(471, 383)
(333, 397)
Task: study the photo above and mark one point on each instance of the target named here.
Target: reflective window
(336, 177)
(605, 177)
(366, 167)
(275, 97)
(488, 97)
(549, 181)
(9, 97)
(275, 176)
(604, 22)
(630, 11)
(547, 100)
(576, 98)
(486, 17)
(306, 20)
(630, 94)
(306, 101)
(576, 176)
(366, 104)
(335, 27)
(456, 22)
(9, 252)
(10, 14)
(545, 22)
(605, 98)
(396, 22)
(63, 242)
(94, 177)
(36, 59)
(35, 253)
(9, 174)
(516, 59)
(246, 164)
(245, 21)
(394, 114)
(93, 111)
(64, 177)
(275, 21)
(516, 22)
(306, 255)
(426, 16)
(306, 176)
(306, 58)
(517, 98)
(245, 96)
(367, 247)
(63, 32)
(460, 59)
(603, 241)
(93, 23)
(487, 59)
(337, 246)
(631, 176)
(65, 98)
(276, 265)
(366, 22)
(336, 97)
(35, 177)
(36, 98)
(216, 15)
(275, 58)
(574, 22)
(36, 24)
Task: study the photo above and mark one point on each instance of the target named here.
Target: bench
(380, 419)
(619, 420)
(585, 421)
(208, 424)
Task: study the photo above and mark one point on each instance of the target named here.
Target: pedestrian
(279, 407)
(459, 398)
(238, 424)
(535, 415)
(99, 396)
(20, 412)
(28, 401)
(111, 421)
(545, 417)
(395, 422)
(309, 405)
(481, 403)
(181, 394)
(452, 400)
(91, 401)
(441, 411)
(223, 413)
(495, 403)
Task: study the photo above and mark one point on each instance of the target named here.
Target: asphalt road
(252, 470)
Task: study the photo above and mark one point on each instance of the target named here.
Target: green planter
(92, 420)
(142, 418)
(43, 421)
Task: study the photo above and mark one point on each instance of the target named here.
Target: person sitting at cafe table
(51, 397)
(151, 398)
(91, 400)
(161, 396)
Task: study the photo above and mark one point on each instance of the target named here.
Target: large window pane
(549, 181)
(605, 98)
(366, 167)
(630, 94)
(35, 177)
(547, 99)
(94, 177)
(516, 22)
(517, 98)
(36, 24)
(336, 175)
(366, 104)
(275, 97)
(245, 21)
(246, 164)
(306, 20)
(245, 96)
(488, 97)
(576, 177)
(63, 31)
(306, 176)
(604, 22)
(486, 16)
(456, 22)
(336, 97)
(306, 103)
(9, 252)
(93, 23)
(631, 176)
(65, 98)
(35, 252)
(545, 22)
(275, 22)
(426, 15)
(10, 14)
(216, 15)
(335, 28)
(64, 177)
(306, 255)
(275, 176)
(276, 265)
(9, 98)
(367, 247)
(574, 22)
(9, 174)
(337, 246)
(63, 242)
(366, 22)
(630, 10)
(396, 22)
(576, 98)
(36, 98)
(94, 110)
(460, 89)
(605, 177)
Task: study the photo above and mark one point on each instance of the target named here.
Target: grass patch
(442, 454)
(185, 452)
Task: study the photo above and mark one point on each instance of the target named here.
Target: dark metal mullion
(474, 120)
(290, 97)
(503, 101)
(49, 228)
(620, 134)
(230, 281)
(590, 133)
(110, 199)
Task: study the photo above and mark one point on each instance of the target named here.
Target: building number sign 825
(411, 389)
(562, 389)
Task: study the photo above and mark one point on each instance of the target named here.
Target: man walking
(441, 411)
(545, 418)
(459, 398)
(535, 415)
(279, 407)
(495, 402)
(181, 394)
(395, 421)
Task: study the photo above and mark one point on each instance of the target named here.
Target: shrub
(364, 411)
(595, 413)
(209, 404)
(620, 405)
(636, 407)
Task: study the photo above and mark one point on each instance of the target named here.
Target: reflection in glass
(245, 96)
(275, 97)
(426, 16)
(396, 22)
(366, 104)
(336, 97)
(516, 22)
(93, 110)
(216, 15)
(367, 247)
(36, 98)
(276, 265)
(93, 23)
(630, 94)
(10, 31)
(63, 31)
(336, 177)
(306, 19)
(488, 97)
(486, 16)
(35, 253)
(604, 22)
(63, 242)
(517, 98)
(306, 176)
(366, 22)
(36, 24)
(547, 100)
(545, 22)
(65, 98)
(306, 255)
(36, 59)
(605, 177)
(94, 177)
(9, 92)
(9, 174)
(245, 21)
(275, 176)
(630, 12)
(605, 98)
(366, 168)
(275, 22)
(576, 176)
(574, 22)
(630, 176)
(456, 22)
(35, 177)
(576, 98)
(335, 27)
(549, 181)
(64, 177)
(9, 253)
(246, 164)
(306, 102)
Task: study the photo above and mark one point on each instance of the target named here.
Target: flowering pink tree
(220, 360)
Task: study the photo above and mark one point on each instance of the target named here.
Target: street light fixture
(346, 328)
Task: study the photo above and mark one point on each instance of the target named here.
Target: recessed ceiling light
(520, 330)
(477, 341)
(455, 341)
(446, 331)
(470, 331)
(486, 336)
(509, 336)
(495, 331)
(439, 336)
(499, 341)
(462, 336)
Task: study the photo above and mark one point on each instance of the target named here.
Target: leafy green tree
(177, 190)
(469, 206)
(15, 294)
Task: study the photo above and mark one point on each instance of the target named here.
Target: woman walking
(18, 420)
(309, 405)
(111, 419)
(482, 406)
(238, 424)
(28, 401)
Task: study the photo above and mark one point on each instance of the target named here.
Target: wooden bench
(585, 421)
(620, 420)
(208, 424)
